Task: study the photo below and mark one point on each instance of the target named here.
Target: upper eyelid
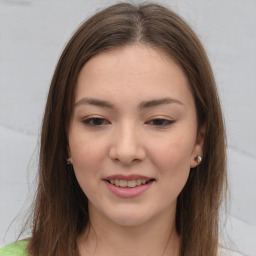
(149, 119)
(168, 118)
(87, 122)
(87, 119)
(93, 117)
(162, 119)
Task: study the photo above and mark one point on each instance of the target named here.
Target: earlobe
(197, 155)
(69, 158)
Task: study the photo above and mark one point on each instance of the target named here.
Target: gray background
(32, 36)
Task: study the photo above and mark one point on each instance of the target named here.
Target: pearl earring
(69, 161)
(198, 159)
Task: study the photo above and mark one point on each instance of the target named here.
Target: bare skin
(157, 239)
(134, 116)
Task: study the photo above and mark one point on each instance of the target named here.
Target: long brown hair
(60, 212)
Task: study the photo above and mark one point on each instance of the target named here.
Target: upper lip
(128, 177)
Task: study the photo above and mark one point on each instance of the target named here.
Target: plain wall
(32, 36)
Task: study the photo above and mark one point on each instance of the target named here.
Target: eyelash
(91, 121)
(98, 122)
(163, 122)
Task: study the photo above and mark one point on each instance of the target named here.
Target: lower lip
(128, 192)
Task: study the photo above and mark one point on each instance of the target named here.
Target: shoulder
(15, 249)
(226, 252)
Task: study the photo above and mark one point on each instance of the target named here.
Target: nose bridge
(127, 144)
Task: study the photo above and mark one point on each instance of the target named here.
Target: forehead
(132, 71)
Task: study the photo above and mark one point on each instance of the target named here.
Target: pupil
(159, 122)
(98, 121)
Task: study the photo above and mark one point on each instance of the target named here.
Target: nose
(127, 146)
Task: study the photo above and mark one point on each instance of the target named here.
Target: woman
(132, 158)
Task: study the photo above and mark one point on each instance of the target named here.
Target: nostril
(126, 153)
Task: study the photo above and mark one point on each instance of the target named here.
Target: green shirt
(19, 249)
(15, 249)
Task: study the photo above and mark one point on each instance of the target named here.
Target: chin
(130, 216)
(121, 215)
(130, 221)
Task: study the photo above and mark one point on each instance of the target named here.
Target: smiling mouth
(129, 183)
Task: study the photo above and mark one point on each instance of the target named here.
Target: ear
(198, 147)
(69, 158)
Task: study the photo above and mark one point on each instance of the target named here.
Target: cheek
(87, 151)
(172, 164)
(172, 160)
(87, 155)
(173, 171)
(173, 152)
(86, 158)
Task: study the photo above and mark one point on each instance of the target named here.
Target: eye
(161, 122)
(95, 121)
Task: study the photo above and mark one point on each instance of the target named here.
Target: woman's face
(134, 121)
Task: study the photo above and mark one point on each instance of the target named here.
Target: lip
(127, 177)
(125, 192)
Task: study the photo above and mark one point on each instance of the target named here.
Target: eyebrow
(142, 105)
(96, 102)
(157, 102)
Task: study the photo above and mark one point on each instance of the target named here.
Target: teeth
(138, 182)
(128, 183)
(123, 183)
(131, 183)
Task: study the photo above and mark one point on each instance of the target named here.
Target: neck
(152, 238)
